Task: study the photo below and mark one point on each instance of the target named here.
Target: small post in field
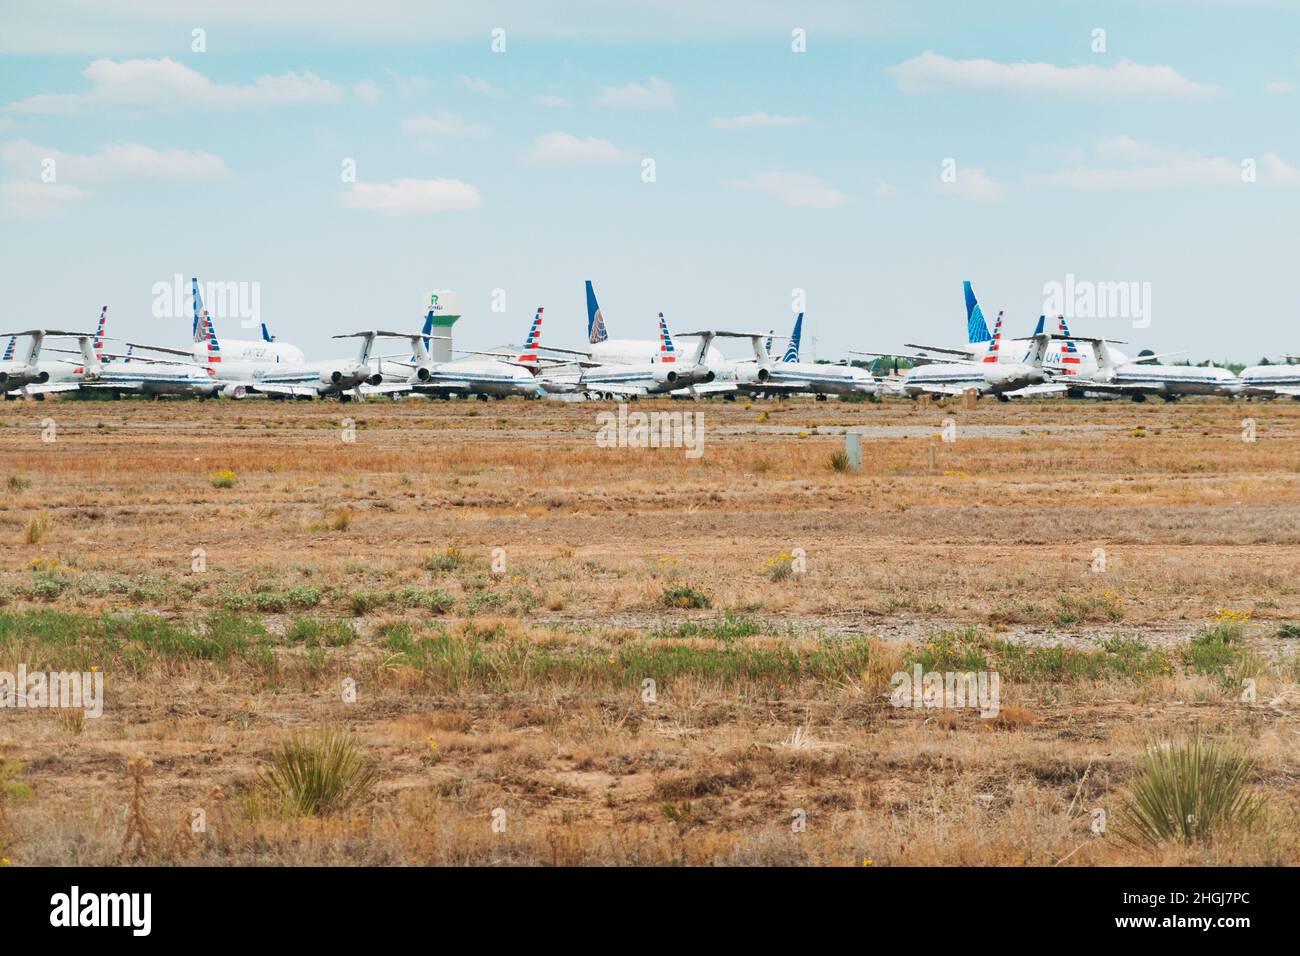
(853, 449)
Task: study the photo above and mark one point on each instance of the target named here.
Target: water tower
(441, 310)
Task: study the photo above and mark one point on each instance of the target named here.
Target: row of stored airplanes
(1042, 363)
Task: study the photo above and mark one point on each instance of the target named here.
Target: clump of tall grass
(449, 560)
(18, 483)
(320, 774)
(37, 527)
(839, 461)
(1189, 791)
(225, 478)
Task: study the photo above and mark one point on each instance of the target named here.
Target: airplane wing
(1149, 387)
(50, 387)
(292, 391)
(1289, 391)
(708, 388)
(935, 389)
(615, 389)
(442, 385)
(1044, 389)
(189, 354)
(386, 388)
(937, 348)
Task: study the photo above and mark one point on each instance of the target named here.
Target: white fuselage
(253, 352)
(640, 351)
(1174, 379)
(818, 379)
(1266, 379)
(155, 378)
(983, 376)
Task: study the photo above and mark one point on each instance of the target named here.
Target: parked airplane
(263, 351)
(1271, 381)
(989, 375)
(1138, 379)
(607, 351)
(34, 377)
(790, 376)
(495, 374)
(659, 376)
(1062, 355)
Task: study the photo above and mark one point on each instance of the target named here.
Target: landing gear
(821, 397)
(1002, 398)
(1139, 397)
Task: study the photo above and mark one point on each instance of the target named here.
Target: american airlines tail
(99, 333)
(214, 346)
(792, 350)
(996, 338)
(9, 349)
(767, 348)
(1070, 355)
(595, 321)
(532, 343)
(666, 351)
(977, 330)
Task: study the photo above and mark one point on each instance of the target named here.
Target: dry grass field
(235, 570)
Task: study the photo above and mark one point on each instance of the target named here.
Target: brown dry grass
(1193, 522)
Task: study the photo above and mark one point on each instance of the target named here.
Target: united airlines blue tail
(198, 309)
(266, 334)
(792, 350)
(595, 321)
(977, 330)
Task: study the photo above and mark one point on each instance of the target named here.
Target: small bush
(223, 479)
(324, 773)
(449, 560)
(1188, 792)
(687, 596)
(839, 461)
(18, 483)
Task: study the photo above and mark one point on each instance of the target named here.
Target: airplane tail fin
(595, 321)
(977, 330)
(792, 350)
(667, 353)
(532, 343)
(767, 347)
(99, 332)
(130, 350)
(9, 349)
(1070, 355)
(995, 341)
(198, 309)
(266, 334)
(210, 335)
(1042, 321)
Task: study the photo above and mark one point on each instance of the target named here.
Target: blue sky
(774, 170)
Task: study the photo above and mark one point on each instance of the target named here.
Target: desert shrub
(319, 774)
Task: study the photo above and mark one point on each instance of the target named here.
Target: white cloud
(552, 100)
(167, 84)
(1123, 163)
(408, 84)
(444, 125)
(931, 72)
(972, 183)
(567, 148)
(477, 85)
(404, 197)
(116, 161)
(367, 91)
(1278, 87)
(756, 119)
(793, 189)
(33, 199)
(653, 94)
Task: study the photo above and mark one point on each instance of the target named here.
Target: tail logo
(666, 351)
(533, 340)
(992, 355)
(977, 330)
(792, 350)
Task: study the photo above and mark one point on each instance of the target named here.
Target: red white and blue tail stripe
(533, 342)
(996, 341)
(1070, 355)
(9, 349)
(666, 351)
